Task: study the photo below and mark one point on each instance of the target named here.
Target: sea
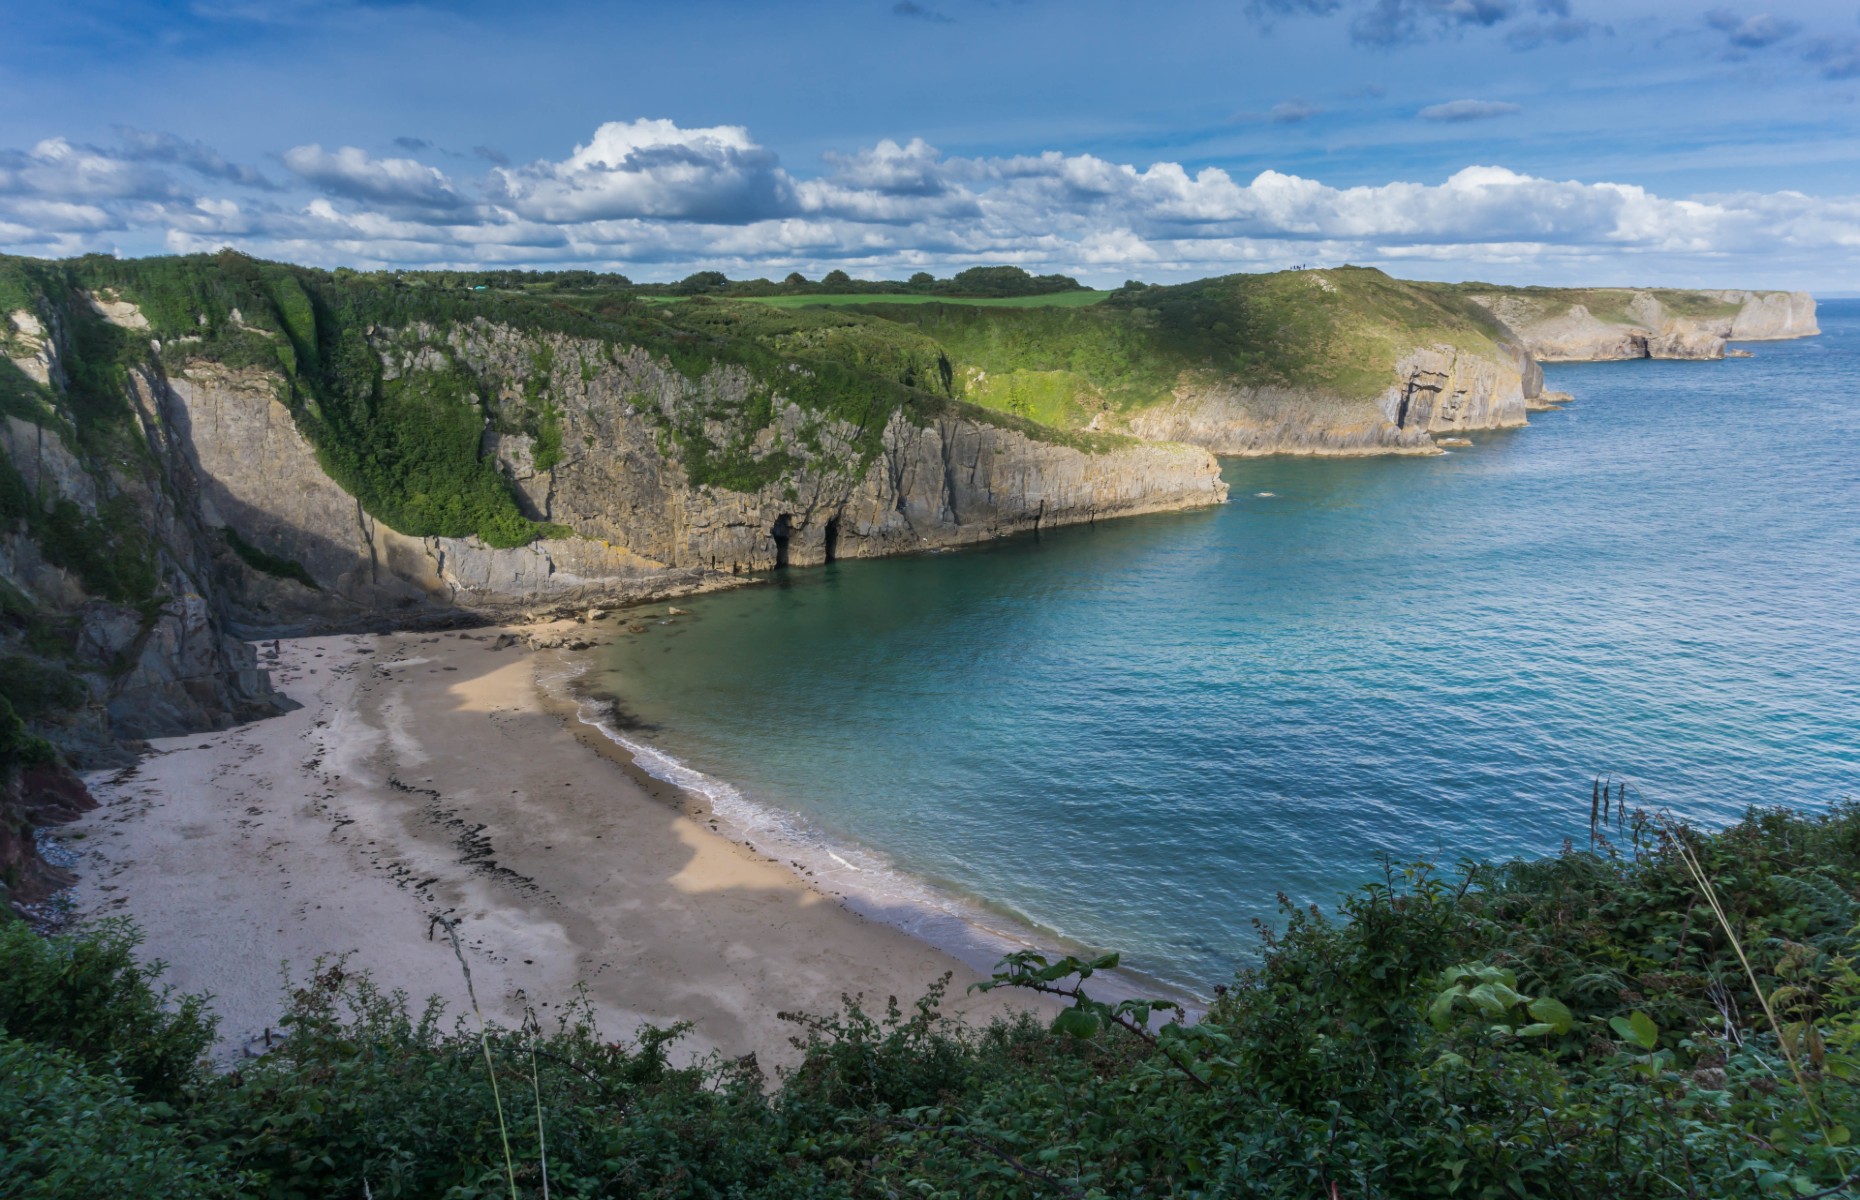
(1147, 735)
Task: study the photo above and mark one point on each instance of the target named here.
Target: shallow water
(1135, 734)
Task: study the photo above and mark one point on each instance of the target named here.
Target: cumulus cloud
(649, 192)
(652, 168)
(1467, 110)
(354, 174)
(57, 167)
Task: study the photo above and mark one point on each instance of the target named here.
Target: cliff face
(1601, 325)
(636, 524)
(1436, 389)
(149, 643)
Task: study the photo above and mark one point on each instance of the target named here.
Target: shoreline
(431, 773)
(954, 923)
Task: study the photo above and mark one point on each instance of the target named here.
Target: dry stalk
(1697, 871)
(484, 1041)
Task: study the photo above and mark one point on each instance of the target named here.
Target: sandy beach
(427, 774)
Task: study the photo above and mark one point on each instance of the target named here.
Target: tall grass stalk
(535, 1027)
(1697, 870)
(484, 1041)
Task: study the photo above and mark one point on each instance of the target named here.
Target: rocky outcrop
(1556, 327)
(34, 797)
(1436, 389)
(1771, 316)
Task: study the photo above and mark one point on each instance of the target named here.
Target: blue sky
(1514, 140)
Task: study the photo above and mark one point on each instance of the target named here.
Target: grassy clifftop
(1335, 333)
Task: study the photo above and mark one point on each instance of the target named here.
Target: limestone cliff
(111, 574)
(635, 523)
(1607, 324)
(1436, 389)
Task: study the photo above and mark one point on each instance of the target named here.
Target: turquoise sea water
(1135, 734)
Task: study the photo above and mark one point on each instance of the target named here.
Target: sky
(1516, 141)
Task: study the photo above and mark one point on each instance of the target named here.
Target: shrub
(88, 994)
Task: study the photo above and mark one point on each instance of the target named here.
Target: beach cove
(427, 774)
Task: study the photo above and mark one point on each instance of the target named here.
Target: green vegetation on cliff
(411, 442)
(1676, 1017)
(110, 553)
(1335, 333)
(1606, 304)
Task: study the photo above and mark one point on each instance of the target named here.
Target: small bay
(1135, 735)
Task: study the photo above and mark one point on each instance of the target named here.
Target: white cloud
(1467, 110)
(656, 199)
(652, 168)
(57, 167)
(355, 175)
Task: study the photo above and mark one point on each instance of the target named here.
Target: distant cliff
(1339, 361)
(1607, 324)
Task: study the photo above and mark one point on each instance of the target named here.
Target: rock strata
(639, 526)
(1435, 389)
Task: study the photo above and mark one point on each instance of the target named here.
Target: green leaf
(1636, 1028)
(1552, 1012)
(1489, 1000)
(1440, 1012)
(1076, 1022)
(1538, 1030)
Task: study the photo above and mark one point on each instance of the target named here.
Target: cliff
(1436, 390)
(1337, 361)
(1608, 324)
(190, 448)
(638, 525)
(197, 446)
